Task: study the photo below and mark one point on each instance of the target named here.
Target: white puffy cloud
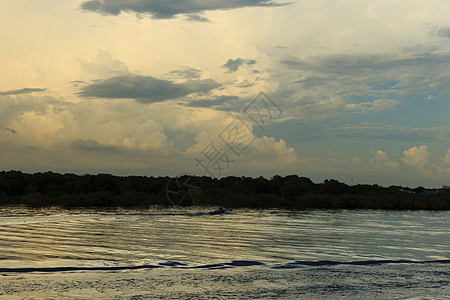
(416, 156)
(269, 151)
(381, 161)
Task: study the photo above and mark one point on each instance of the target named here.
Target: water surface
(54, 241)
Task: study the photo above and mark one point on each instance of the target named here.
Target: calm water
(54, 241)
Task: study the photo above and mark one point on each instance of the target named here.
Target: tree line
(292, 192)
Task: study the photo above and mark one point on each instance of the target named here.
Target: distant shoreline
(290, 192)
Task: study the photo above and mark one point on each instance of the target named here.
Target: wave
(322, 263)
(215, 266)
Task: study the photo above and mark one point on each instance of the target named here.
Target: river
(187, 253)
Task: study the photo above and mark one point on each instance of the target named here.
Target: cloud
(444, 32)
(233, 64)
(397, 137)
(447, 158)
(365, 82)
(77, 83)
(91, 145)
(186, 73)
(381, 161)
(170, 8)
(443, 168)
(319, 108)
(382, 105)
(375, 106)
(389, 133)
(199, 86)
(22, 91)
(245, 84)
(196, 18)
(220, 103)
(103, 64)
(312, 81)
(11, 130)
(357, 63)
(417, 157)
(12, 108)
(268, 153)
(145, 89)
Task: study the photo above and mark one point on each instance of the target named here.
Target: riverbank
(292, 192)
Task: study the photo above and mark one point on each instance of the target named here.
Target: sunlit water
(54, 241)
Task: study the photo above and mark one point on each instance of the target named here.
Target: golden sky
(358, 89)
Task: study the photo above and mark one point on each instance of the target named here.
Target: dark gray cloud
(199, 86)
(167, 9)
(196, 18)
(351, 64)
(76, 83)
(233, 64)
(444, 32)
(10, 130)
(22, 91)
(186, 73)
(354, 80)
(91, 145)
(226, 103)
(312, 81)
(245, 84)
(220, 101)
(145, 89)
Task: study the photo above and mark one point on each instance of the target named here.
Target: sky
(356, 91)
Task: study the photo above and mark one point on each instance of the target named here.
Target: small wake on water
(216, 266)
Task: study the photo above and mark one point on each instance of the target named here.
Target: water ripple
(215, 266)
(38, 239)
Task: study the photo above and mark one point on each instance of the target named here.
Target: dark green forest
(291, 192)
